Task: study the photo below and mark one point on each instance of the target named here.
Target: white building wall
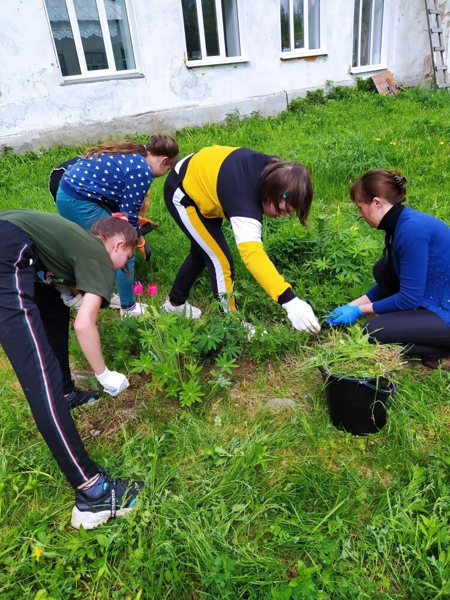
(38, 109)
(409, 46)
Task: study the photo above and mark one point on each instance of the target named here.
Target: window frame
(99, 74)
(382, 65)
(306, 52)
(222, 59)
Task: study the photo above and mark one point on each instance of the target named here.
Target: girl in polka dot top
(115, 177)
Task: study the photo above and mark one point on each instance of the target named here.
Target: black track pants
(55, 317)
(24, 340)
(208, 248)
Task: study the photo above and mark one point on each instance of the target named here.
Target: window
(213, 31)
(367, 33)
(302, 27)
(92, 37)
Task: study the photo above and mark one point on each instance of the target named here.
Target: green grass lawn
(248, 497)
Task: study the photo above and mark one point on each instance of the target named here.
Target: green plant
(313, 97)
(339, 92)
(365, 84)
(176, 351)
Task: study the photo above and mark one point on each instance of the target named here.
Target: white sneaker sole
(126, 314)
(92, 520)
(190, 312)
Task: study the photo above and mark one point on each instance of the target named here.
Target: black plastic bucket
(357, 405)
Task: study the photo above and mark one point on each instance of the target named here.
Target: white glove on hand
(113, 382)
(301, 316)
(72, 301)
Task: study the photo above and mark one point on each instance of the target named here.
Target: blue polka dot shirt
(118, 181)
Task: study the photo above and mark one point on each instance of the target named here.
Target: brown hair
(289, 181)
(380, 183)
(164, 145)
(110, 227)
(159, 145)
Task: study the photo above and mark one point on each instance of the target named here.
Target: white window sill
(303, 54)
(367, 69)
(210, 62)
(107, 76)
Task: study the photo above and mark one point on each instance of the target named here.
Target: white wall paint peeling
(38, 109)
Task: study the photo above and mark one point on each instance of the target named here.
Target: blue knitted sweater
(421, 259)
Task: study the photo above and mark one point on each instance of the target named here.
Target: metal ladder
(435, 31)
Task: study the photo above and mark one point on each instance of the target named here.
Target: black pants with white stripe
(208, 247)
(25, 342)
(55, 317)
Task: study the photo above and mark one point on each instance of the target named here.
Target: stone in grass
(277, 405)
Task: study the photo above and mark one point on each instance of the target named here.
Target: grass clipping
(349, 354)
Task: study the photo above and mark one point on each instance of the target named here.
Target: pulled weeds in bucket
(350, 354)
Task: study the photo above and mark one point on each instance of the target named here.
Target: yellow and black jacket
(224, 182)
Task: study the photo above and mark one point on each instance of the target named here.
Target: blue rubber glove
(344, 315)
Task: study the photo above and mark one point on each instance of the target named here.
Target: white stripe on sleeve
(246, 229)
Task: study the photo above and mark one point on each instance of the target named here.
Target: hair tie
(145, 147)
(400, 181)
(118, 215)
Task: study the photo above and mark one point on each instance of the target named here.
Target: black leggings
(423, 332)
(24, 339)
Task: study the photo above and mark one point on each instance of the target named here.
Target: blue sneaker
(118, 499)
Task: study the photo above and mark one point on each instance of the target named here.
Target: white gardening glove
(301, 316)
(70, 300)
(113, 382)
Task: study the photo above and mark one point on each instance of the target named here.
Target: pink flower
(137, 288)
(152, 289)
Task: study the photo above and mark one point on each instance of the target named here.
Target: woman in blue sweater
(412, 292)
(115, 177)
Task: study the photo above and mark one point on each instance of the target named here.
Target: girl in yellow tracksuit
(240, 185)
